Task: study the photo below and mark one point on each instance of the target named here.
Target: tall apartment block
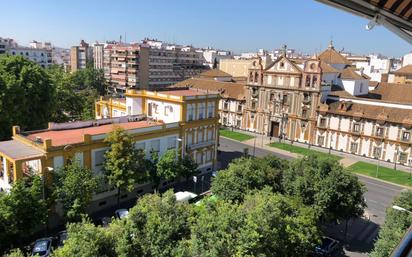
(150, 64)
(80, 55)
(98, 52)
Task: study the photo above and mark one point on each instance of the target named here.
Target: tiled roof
(326, 68)
(73, 136)
(226, 89)
(385, 92)
(215, 73)
(388, 114)
(405, 70)
(330, 56)
(184, 92)
(350, 73)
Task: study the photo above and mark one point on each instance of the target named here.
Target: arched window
(256, 77)
(314, 81)
(250, 76)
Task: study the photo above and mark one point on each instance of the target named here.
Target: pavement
(361, 232)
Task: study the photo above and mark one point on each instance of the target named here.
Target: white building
(98, 55)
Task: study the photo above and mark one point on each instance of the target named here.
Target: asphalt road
(361, 232)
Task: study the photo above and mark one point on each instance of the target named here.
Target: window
(99, 158)
(256, 77)
(190, 112)
(208, 156)
(58, 162)
(285, 99)
(199, 157)
(199, 136)
(403, 157)
(307, 81)
(224, 120)
(379, 131)
(239, 108)
(226, 105)
(201, 111)
(304, 113)
(253, 105)
(155, 145)
(322, 122)
(377, 152)
(314, 81)
(406, 136)
(282, 65)
(168, 110)
(272, 97)
(140, 145)
(321, 140)
(353, 147)
(210, 135)
(211, 110)
(238, 123)
(171, 142)
(356, 127)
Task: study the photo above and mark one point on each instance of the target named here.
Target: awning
(395, 15)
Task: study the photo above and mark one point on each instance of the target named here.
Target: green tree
(187, 167)
(265, 224)
(16, 253)
(396, 224)
(246, 174)
(27, 95)
(155, 226)
(323, 183)
(74, 188)
(124, 164)
(22, 211)
(167, 166)
(86, 240)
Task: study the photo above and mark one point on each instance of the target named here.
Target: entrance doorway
(274, 129)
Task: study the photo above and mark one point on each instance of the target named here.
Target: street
(361, 232)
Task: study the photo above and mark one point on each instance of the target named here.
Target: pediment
(283, 65)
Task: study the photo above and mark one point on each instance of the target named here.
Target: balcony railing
(201, 145)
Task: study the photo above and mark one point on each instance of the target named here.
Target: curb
(381, 180)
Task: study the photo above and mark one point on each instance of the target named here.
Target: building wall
(236, 68)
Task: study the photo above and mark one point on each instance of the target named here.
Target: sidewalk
(347, 160)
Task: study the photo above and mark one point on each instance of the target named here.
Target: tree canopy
(74, 188)
(323, 183)
(246, 174)
(124, 165)
(27, 95)
(21, 211)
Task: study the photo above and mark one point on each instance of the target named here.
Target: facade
(376, 125)
(212, 56)
(40, 55)
(150, 65)
(281, 99)
(80, 55)
(98, 55)
(240, 67)
(232, 95)
(184, 119)
(375, 66)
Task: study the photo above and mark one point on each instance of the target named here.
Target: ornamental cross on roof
(331, 44)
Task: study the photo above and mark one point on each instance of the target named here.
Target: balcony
(200, 145)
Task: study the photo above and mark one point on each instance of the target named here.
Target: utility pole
(254, 147)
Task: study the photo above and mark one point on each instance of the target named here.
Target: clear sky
(238, 25)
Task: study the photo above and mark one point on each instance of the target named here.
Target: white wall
(172, 114)
(134, 105)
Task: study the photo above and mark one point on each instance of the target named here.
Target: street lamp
(330, 143)
(254, 146)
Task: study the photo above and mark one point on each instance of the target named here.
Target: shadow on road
(360, 237)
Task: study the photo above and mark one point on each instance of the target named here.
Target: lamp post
(330, 144)
(396, 157)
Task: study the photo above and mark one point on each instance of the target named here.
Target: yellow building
(403, 75)
(178, 119)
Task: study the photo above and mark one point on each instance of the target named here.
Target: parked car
(185, 196)
(42, 247)
(61, 237)
(327, 247)
(121, 213)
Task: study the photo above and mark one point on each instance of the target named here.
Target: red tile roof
(73, 136)
(184, 92)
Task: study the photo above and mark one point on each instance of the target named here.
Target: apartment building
(185, 119)
(80, 56)
(149, 65)
(42, 56)
(98, 55)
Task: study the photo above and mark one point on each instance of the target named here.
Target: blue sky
(239, 25)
